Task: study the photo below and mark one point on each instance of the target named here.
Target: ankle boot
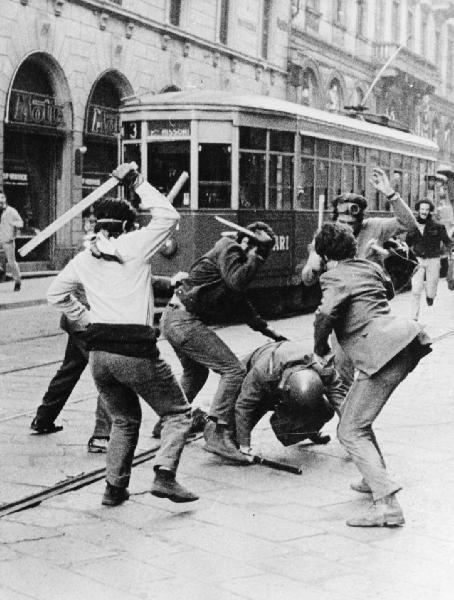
(219, 441)
(113, 495)
(385, 512)
(166, 486)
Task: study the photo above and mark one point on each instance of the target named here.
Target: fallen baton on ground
(75, 210)
(259, 460)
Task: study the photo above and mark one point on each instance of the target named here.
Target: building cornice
(128, 16)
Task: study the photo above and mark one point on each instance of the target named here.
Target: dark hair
(257, 226)
(335, 241)
(117, 216)
(353, 199)
(425, 201)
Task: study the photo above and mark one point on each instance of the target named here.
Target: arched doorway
(38, 122)
(102, 128)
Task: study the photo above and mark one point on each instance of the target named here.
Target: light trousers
(425, 278)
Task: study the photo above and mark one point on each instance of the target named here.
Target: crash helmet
(302, 389)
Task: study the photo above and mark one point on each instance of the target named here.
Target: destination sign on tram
(169, 128)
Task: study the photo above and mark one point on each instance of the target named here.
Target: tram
(253, 157)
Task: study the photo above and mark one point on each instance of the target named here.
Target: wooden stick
(75, 210)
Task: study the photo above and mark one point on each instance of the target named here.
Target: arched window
(335, 99)
(309, 88)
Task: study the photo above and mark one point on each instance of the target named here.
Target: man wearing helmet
(371, 232)
(426, 242)
(283, 377)
(213, 292)
(383, 348)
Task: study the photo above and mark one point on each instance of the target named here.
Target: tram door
(166, 161)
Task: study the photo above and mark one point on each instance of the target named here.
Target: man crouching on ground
(116, 275)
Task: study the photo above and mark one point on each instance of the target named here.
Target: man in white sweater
(116, 275)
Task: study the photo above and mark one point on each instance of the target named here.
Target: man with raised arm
(124, 359)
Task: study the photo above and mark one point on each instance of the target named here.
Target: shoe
(319, 438)
(97, 445)
(219, 442)
(17, 286)
(385, 512)
(113, 495)
(362, 487)
(166, 486)
(42, 427)
(429, 301)
(199, 421)
(156, 433)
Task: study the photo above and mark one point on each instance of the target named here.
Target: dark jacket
(428, 243)
(215, 287)
(354, 304)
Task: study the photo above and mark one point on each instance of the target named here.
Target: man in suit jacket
(383, 349)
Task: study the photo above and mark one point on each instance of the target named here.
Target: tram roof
(215, 100)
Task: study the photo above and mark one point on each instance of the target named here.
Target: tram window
(359, 154)
(214, 175)
(166, 161)
(131, 153)
(282, 141)
(305, 195)
(335, 150)
(321, 181)
(385, 160)
(334, 181)
(348, 153)
(252, 180)
(252, 138)
(307, 145)
(360, 180)
(322, 148)
(281, 182)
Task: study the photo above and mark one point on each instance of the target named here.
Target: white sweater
(117, 293)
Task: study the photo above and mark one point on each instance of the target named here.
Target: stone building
(66, 65)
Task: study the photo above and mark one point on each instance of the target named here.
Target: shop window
(281, 182)
(252, 138)
(321, 181)
(348, 152)
(322, 148)
(335, 150)
(335, 181)
(360, 180)
(214, 175)
(252, 180)
(307, 145)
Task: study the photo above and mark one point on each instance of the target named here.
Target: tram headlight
(169, 248)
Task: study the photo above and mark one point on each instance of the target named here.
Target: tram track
(84, 479)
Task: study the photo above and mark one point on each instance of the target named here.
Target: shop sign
(102, 120)
(35, 109)
(168, 128)
(281, 243)
(15, 178)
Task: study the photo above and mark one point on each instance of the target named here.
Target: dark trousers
(200, 349)
(63, 383)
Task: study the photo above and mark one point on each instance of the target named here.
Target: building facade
(66, 65)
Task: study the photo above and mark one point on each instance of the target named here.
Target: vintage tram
(253, 158)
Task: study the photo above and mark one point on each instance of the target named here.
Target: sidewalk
(255, 533)
(32, 293)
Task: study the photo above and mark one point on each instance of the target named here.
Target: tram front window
(215, 175)
(166, 162)
(252, 180)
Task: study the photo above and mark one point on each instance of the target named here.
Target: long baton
(236, 227)
(259, 460)
(75, 210)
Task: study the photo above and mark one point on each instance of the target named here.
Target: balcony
(407, 62)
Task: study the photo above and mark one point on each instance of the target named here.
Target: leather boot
(113, 496)
(361, 486)
(219, 442)
(385, 512)
(166, 486)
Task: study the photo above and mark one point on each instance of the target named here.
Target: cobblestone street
(255, 532)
